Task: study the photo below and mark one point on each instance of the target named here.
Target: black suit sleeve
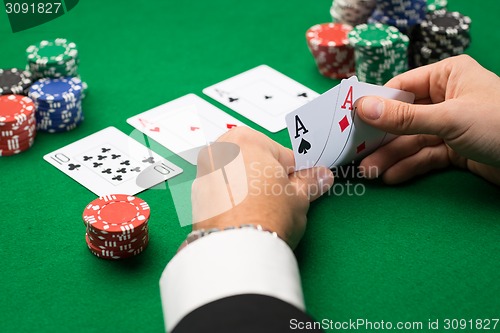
(247, 313)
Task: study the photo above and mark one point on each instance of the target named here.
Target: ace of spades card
(309, 127)
(110, 162)
(262, 95)
(347, 137)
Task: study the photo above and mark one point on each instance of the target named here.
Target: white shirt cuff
(227, 263)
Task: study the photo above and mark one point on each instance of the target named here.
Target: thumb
(403, 118)
(312, 182)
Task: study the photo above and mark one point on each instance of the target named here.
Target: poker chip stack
(58, 103)
(117, 226)
(402, 14)
(330, 47)
(352, 12)
(14, 81)
(17, 124)
(53, 58)
(380, 52)
(441, 35)
(433, 5)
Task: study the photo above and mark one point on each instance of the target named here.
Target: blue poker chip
(50, 91)
(58, 107)
(64, 117)
(402, 14)
(47, 124)
(53, 127)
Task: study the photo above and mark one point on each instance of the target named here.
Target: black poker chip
(14, 81)
(440, 35)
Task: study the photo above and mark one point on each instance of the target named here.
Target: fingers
(427, 159)
(436, 82)
(284, 156)
(312, 182)
(402, 118)
(252, 142)
(386, 156)
(488, 172)
(426, 82)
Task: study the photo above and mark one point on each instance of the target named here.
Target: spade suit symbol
(304, 146)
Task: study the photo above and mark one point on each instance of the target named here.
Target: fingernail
(325, 179)
(372, 107)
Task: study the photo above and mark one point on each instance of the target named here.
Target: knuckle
(238, 135)
(422, 140)
(435, 158)
(462, 59)
(430, 158)
(403, 116)
(465, 58)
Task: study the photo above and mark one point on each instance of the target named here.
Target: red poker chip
(117, 245)
(15, 110)
(117, 226)
(126, 234)
(14, 144)
(25, 130)
(10, 129)
(329, 45)
(113, 255)
(328, 35)
(335, 74)
(101, 236)
(16, 148)
(20, 137)
(123, 248)
(116, 213)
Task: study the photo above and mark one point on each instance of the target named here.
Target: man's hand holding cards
(328, 132)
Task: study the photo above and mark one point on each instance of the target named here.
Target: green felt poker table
(425, 250)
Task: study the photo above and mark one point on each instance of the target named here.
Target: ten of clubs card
(109, 162)
(328, 131)
(262, 95)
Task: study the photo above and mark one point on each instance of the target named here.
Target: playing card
(184, 125)
(351, 138)
(309, 127)
(262, 95)
(335, 134)
(110, 162)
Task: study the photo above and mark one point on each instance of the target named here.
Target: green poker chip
(52, 58)
(433, 5)
(57, 51)
(374, 35)
(380, 52)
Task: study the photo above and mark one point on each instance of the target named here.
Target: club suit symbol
(72, 166)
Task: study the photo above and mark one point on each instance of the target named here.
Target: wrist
(200, 233)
